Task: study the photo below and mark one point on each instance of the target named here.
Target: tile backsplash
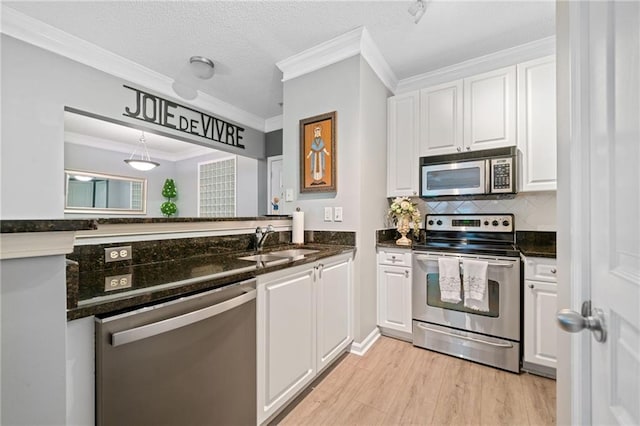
(534, 211)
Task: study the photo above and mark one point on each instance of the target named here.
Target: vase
(403, 228)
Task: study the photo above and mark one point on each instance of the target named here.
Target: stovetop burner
(491, 234)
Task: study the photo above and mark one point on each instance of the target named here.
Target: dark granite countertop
(536, 243)
(177, 277)
(46, 225)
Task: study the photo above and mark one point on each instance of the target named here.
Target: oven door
(502, 319)
(465, 177)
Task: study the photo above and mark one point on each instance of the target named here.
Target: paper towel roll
(297, 236)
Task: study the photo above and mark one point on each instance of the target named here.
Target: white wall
(33, 328)
(372, 187)
(351, 89)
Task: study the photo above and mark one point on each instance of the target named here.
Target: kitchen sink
(265, 258)
(280, 256)
(293, 252)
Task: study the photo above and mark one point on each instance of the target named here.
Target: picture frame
(318, 154)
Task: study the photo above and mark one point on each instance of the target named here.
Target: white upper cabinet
(402, 145)
(441, 119)
(537, 124)
(490, 110)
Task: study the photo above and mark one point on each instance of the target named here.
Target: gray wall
(351, 88)
(36, 86)
(273, 143)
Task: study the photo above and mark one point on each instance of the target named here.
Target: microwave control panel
(501, 175)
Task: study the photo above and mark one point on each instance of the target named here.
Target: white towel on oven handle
(475, 284)
(449, 279)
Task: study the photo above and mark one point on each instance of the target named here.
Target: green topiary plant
(169, 191)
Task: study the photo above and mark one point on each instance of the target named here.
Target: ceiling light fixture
(83, 178)
(144, 163)
(202, 67)
(417, 10)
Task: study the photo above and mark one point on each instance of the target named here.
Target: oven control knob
(431, 222)
(505, 223)
(439, 223)
(494, 223)
(486, 223)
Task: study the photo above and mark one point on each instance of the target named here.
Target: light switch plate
(288, 195)
(328, 214)
(337, 214)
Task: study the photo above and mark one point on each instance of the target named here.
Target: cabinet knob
(468, 148)
(531, 286)
(393, 258)
(415, 192)
(459, 149)
(406, 274)
(553, 271)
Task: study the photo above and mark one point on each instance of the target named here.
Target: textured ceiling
(246, 38)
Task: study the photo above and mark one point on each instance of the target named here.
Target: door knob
(592, 319)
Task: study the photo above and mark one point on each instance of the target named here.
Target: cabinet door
(333, 303)
(286, 339)
(402, 145)
(490, 109)
(540, 329)
(441, 119)
(394, 298)
(537, 124)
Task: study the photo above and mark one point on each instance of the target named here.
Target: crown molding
(355, 42)
(370, 52)
(47, 37)
(273, 123)
(492, 61)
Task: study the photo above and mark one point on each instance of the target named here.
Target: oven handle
(426, 257)
(500, 345)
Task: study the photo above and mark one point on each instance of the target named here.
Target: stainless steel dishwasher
(190, 361)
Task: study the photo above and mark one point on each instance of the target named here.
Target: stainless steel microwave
(485, 172)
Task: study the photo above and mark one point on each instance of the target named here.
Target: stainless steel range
(478, 316)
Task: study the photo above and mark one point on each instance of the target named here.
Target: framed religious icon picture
(318, 153)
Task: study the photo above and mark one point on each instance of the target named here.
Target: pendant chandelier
(143, 163)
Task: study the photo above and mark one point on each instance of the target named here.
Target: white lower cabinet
(540, 307)
(304, 319)
(394, 292)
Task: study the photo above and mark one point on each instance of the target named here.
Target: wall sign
(163, 112)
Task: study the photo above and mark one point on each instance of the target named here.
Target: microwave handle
(487, 176)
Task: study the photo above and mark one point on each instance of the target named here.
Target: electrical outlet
(117, 282)
(328, 214)
(115, 254)
(337, 214)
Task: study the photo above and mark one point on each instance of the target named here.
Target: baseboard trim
(361, 348)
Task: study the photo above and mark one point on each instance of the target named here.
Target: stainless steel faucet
(261, 236)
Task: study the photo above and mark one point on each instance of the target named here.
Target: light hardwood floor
(395, 383)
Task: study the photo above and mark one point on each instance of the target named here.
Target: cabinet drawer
(394, 257)
(540, 269)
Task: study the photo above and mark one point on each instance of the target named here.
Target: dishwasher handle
(134, 334)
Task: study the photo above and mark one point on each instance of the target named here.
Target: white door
(441, 119)
(490, 109)
(402, 145)
(276, 189)
(598, 201)
(333, 298)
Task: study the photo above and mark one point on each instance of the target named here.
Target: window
(217, 188)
